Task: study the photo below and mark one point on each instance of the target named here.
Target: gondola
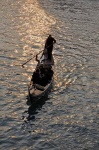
(38, 89)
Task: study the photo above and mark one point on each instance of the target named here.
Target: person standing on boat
(49, 46)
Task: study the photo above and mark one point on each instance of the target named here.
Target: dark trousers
(49, 51)
(49, 56)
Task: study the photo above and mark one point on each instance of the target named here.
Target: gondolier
(49, 46)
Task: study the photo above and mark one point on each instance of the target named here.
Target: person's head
(50, 36)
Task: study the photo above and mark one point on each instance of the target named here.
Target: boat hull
(37, 91)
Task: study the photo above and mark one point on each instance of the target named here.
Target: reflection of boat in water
(42, 78)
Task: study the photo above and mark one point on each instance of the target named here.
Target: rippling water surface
(68, 118)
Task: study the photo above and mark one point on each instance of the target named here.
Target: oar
(31, 58)
(34, 56)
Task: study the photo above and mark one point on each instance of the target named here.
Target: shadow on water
(30, 116)
(34, 108)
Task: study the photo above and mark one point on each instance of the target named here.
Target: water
(68, 118)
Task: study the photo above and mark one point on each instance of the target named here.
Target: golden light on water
(34, 25)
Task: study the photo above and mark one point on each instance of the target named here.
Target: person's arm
(37, 59)
(54, 41)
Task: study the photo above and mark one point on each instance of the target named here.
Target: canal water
(68, 117)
